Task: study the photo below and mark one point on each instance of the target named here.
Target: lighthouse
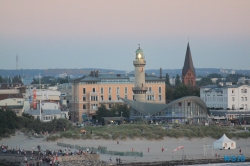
(139, 88)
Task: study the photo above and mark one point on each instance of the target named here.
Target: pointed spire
(188, 63)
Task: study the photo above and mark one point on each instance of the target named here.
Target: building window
(159, 89)
(150, 97)
(245, 90)
(109, 90)
(232, 98)
(117, 90)
(118, 97)
(126, 90)
(93, 89)
(109, 97)
(84, 106)
(101, 90)
(246, 106)
(159, 97)
(18, 101)
(232, 90)
(245, 98)
(94, 98)
(84, 98)
(101, 97)
(189, 103)
(126, 96)
(233, 107)
(179, 104)
(149, 89)
(242, 98)
(84, 91)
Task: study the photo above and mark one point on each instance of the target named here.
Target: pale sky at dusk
(105, 33)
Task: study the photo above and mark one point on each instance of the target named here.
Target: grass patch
(154, 132)
(52, 138)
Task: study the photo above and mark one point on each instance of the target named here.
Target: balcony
(140, 88)
(92, 112)
(94, 93)
(110, 101)
(150, 93)
(139, 62)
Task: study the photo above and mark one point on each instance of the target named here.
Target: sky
(105, 33)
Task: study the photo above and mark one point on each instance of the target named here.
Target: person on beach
(240, 151)
(148, 150)
(110, 159)
(162, 149)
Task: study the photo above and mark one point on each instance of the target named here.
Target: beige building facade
(90, 92)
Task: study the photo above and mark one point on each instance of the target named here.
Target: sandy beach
(193, 149)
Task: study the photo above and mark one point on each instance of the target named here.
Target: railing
(140, 88)
(94, 93)
(110, 101)
(102, 150)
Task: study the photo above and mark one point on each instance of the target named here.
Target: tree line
(11, 80)
(51, 80)
(116, 111)
(10, 122)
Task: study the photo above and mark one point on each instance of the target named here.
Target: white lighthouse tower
(139, 89)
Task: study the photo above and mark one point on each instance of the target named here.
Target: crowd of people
(39, 157)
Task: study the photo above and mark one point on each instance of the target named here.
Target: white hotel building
(234, 97)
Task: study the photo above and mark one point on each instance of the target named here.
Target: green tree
(101, 112)
(204, 81)
(214, 75)
(177, 80)
(173, 93)
(167, 79)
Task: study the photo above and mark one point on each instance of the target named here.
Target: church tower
(139, 88)
(188, 71)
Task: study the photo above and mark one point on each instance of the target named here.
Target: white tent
(224, 143)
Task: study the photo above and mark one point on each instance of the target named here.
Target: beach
(151, 149)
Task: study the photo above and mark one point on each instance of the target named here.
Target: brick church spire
(188, 71)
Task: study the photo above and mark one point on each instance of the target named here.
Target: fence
(101, 150)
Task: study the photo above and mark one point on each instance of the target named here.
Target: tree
(167, 79)
(181, 91)
(177, 80)
(204, 81)
(101, 112)
(113, 112)
(214, 75)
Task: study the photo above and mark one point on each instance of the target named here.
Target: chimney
(160, 73)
